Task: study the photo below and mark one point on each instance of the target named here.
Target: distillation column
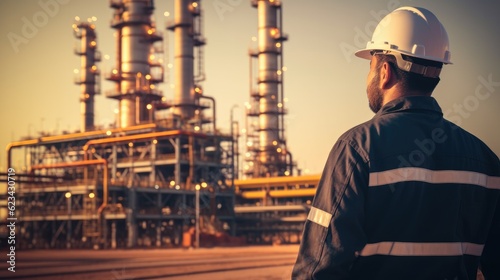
(88, 78)
(272, 155)
(186, 38)
(137, 71)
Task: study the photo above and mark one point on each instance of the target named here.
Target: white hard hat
(411, 31)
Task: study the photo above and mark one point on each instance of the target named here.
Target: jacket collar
(411, 103)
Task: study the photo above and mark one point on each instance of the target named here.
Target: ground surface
(253, 262)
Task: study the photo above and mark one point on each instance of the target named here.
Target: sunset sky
(324, 83)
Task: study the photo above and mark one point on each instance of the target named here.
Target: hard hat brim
(364, 53)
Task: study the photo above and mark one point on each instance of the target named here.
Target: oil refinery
(164, 174)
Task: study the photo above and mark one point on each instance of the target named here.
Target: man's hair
(411, 81)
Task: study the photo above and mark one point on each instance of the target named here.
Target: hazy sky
(325, 83)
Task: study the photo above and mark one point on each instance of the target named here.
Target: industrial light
(287, 173)
(77, 18)
(204, 184)
(194, 4)
(91, 195)
(278, 150)
(149, 106)
(68, 195)
(197, 187)
(172, 183)
(131, 144)
(155, 142)
(274, 32)
(275, 142)
(108, 132)
(278, 45)
(196, 128)
(166, 13)
(94, 18)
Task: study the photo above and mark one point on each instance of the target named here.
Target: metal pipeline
(213, 111)
(153, 135)
(69, 137)
(290, 162)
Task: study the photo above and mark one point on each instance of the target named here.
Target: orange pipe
(277, 181)
(45, 139)
(151, 135)
(84, 163)
(277, 193)
(293, 193)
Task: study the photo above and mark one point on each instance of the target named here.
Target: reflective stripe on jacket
(406, 195)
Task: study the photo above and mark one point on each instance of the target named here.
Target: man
(408, 194)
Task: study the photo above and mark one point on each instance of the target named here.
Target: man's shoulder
(357, 132)
(475, 145)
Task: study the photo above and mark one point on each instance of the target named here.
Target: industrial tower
(89, 74)
(267, 154)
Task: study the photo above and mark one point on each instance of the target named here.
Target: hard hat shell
(411, 31)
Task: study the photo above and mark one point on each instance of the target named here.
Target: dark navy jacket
(406, 195)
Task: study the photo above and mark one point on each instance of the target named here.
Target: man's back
(423, 207)
(432, 198)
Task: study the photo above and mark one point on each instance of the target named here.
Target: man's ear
(386, 76)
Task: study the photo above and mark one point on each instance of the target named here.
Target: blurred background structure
(163, 174)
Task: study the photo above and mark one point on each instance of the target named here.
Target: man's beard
(374, 94)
